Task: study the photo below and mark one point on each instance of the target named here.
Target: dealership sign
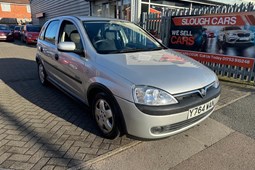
(227, 39)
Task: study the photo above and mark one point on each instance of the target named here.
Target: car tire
(42, 74)
(26, 41)
(106, 114)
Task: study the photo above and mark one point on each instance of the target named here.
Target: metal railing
(159, 25)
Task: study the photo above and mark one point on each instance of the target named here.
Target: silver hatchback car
(132, 83)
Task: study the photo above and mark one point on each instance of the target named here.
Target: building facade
(15, 11)
(131, 10)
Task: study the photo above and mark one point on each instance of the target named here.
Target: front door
(72, 63)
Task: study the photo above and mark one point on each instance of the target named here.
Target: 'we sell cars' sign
(222, 38)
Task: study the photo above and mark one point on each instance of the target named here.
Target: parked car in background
(12, 27)
(122, 78)
(5, 33)
(29, 34)
(16, 32)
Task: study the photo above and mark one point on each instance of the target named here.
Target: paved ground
(42, 128)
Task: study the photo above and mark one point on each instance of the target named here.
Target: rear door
(47, 48)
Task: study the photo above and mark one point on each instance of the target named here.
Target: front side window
(69, 33)
(51, 31)
(119, 37)
(6, 7)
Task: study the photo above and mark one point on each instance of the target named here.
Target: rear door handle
(40, 48)
(56, 57)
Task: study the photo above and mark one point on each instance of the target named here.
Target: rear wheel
(42, 74)
(105, 112)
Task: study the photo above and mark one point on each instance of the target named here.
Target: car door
(47, 48)
(72, 63)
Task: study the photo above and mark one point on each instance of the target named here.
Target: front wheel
(105, 112)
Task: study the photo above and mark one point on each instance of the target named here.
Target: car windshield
(33, 29)
(17, 28)
(232, 28)
(4, 27)
(119, 37)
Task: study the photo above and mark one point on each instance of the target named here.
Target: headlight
(10, 33)
(232, 34)
(216, 83)
(152, 96)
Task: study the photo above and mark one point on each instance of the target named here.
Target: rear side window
(17, 28)
(41, 36)
(51, 31)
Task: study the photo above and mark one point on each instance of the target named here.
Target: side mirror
(66, 46)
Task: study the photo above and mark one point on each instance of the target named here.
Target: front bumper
(140, 124)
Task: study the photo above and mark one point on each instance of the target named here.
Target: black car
(5, 33)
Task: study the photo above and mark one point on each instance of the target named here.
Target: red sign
(209, 20)
(227, 39)
(217, 58)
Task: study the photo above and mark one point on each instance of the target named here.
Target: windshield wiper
(137, 50)
(129, 50)
(154, 49)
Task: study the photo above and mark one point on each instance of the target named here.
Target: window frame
(28, 8)
(4, 6)
(61, 29)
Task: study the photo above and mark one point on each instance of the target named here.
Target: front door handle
(56, 57)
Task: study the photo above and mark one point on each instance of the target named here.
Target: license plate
(2, 36)
(196, 111)
(244, 38)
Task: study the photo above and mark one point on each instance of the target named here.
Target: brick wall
(17, 11)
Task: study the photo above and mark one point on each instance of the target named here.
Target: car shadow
(20, 43)
(21, 76)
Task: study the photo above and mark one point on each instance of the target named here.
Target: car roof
(92, 18)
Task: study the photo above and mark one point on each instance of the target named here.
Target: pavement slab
(168, 152)
(235, 152)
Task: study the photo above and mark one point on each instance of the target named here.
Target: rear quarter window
(51, 31)
(42, 33)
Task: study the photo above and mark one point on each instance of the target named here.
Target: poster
(221, 38)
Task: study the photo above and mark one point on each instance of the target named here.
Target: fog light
(157, 130)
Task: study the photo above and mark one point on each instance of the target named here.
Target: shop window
(145, 8)
(6, 7)
(97, 10)
(126, 12)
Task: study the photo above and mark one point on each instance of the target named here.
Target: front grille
(194, 95)
(243, 34)
(182, 124)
